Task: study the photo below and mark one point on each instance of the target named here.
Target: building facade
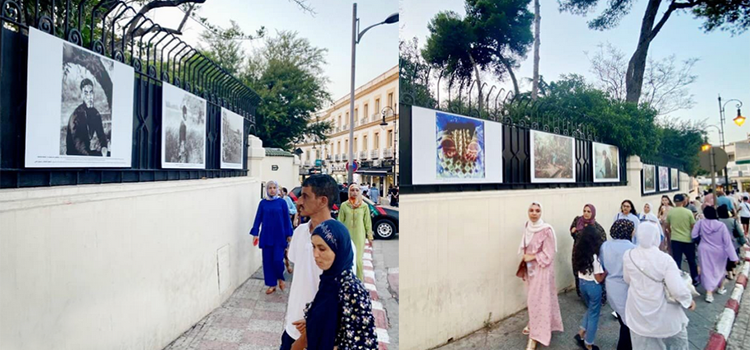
(375, 137)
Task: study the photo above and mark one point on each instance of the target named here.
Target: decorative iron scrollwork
(98, 47)
(176, 82)
(11, 11)
(137, 65)
(165, 76)
(74, 36)
(188, 87)
(45, 24)
(118, 56)
(152, 71)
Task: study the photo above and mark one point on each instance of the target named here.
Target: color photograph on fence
(663, 179)
(606, 163)
(463, 149)
(232, 150)
(92, 124)
(183, 129)
(649, 178)
(674, 178)
(460, 147)
(552, 157)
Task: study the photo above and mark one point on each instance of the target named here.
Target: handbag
(667, 293)
(522, 270)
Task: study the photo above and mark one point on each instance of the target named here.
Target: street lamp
(383, 124)
(739, 120)
(356, 38)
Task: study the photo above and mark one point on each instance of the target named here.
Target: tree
(537, 43)
(665, 83)
(287, 74)
(730, 14)
(414, 74)
(223, 46)
(682, 140)
(493, 35)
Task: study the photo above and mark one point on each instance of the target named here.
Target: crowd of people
(637, 268)
(329, 306)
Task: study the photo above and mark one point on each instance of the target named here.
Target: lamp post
(383, 125)
(356, 37)
(739, 120)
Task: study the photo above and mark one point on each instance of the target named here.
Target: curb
(381, 319)
(720, 335)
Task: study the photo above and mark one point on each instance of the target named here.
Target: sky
(330, 27)
(723, 66)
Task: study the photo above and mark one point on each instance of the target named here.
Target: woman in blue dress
(273, 217)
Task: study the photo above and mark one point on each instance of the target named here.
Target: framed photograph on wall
(663, 179)
(649, 178)
(451, 148)
(232, 145)
(552, 157)
(183, 129)
(79, 110)
(606, 162)
(674, 179)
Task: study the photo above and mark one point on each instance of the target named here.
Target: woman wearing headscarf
(738, 237)
(340, 315)
(646, 210)
(714, 248)
(628, 212)
(576, 227)
(655, 323)
(355, 215)
(539, 246)
(273, 218)
(610, 255)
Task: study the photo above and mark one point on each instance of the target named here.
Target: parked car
(384, 220)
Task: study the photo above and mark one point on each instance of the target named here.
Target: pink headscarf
(583, 222)
(708, 201)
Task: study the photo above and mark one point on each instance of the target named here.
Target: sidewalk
(740, 336)
(252, 320)
(507, 333)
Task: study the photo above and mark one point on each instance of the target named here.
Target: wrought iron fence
(109, 28)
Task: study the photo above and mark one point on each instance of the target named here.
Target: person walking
(588, 218)
(722, 199)
(273, 218)
(591, 275)
(745, 215)
(355, 215)
(714, 249)
(610, 256)
(375, 194)
(654, 322)
(666, 205)
(646, 210)
(738, 237)
(539, 247)
(393, 193)
(291, 205)
(680, 222)
(628, 212)
(340, 315)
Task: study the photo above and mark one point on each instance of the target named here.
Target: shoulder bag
(522, 272)
(667, 293)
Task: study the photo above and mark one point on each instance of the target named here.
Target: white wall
(288, 173)
(122, 266)
(459, 254)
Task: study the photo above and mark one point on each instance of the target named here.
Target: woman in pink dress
(539, 246)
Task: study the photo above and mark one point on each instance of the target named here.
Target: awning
(374, 171)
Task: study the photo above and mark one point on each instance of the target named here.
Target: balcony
(375, 117)
(375, 154)
(363, 155)
(388, 153)
(307, 163)
(328, 157)
(338, 157)
(363, 121)
(344, 157)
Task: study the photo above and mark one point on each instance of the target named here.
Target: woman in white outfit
(655, 324)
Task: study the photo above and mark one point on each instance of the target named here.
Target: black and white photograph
(183, 129)
(86, 119)
(91, 125)
(674, 179)
(231, 139)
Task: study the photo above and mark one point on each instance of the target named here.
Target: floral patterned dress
(356, 329)
(544, 309)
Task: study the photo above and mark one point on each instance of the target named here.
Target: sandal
(531, 345)
(288, 268)
(282, 285)
(270, 290)
(525, 331)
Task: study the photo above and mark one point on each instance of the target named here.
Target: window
(364, 142)
(390, 99)
(339, 125)
(346, 149)
(356, 114)
(390, 138)
(367, 114)
(377, 141)
(338, 149)
(317, 154)
(355, 145)
(377, 105)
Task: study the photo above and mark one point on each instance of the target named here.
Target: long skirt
(678, 341)
(273, 265)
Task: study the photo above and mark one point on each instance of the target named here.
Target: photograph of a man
(183, 129)
(182, 155)
(84, 124)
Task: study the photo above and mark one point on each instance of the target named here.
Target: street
(250, 319)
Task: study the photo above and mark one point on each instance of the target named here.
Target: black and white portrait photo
(86, 116)
(80, 106)
(183, 129)
(231, 139)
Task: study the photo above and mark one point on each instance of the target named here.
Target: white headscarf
(651, 207)
(268, 196)
(533, 227)
(648, 235)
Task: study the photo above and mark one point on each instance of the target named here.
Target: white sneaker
(722, 291)
(710, 298)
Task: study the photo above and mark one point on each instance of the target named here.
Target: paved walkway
(507, 333)
(252, 320)
(739, 339)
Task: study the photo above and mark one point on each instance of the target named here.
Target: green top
(681, 221)
(358, 221)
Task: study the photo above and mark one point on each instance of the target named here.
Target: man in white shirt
(315, 201)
